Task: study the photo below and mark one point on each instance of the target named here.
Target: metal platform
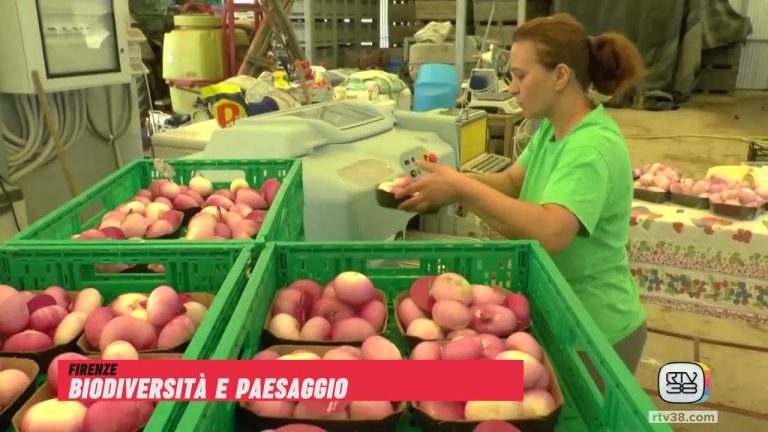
(487, 163)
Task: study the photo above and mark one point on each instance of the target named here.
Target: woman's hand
(437, 188)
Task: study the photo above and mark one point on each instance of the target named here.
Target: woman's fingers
(411, 203)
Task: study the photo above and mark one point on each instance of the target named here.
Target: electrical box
(72, 44)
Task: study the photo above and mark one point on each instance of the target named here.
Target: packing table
(696, 260)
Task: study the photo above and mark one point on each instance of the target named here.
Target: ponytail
(615, 64)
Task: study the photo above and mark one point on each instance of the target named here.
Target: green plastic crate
(284, 221)
(559, 318)
(223, 271)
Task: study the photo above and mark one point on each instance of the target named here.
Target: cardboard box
(412, 341)
(44, 392)
(43, 358)
(32, 370)
(251, 421)
(268, 339)
(538, 424)
(206, 299)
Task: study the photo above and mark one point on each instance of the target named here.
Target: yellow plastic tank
(193, 51)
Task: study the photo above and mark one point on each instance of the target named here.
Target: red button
(433, 158)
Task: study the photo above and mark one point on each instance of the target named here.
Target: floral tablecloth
(693, 259)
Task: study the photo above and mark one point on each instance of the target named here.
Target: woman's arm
(509, 182)
(552, 225)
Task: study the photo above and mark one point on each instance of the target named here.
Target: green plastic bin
(284, 221)
(221, 270)
(559, 319)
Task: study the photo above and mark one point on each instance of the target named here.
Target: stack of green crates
(560, 321)
(284, 221)
(222, 271)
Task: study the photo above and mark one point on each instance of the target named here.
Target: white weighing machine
(348, 148)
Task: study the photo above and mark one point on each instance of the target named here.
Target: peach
(269, 189)
(53, 371)
(225, 193)
(453, 334)
(87, 300)
(423, 328)
(133, 207)
(178, 331)
(6, 291)
(482, 294)
(493, 410)
(170, 190)
(59, 294)
(332, 309)
(452, 286)
(352, 329)
(184, 202)
(303, 411)
(237, 184)
(40, 301)
(373, 410)
(495, 426)
(463, 348)
(267, 408)
(242, 210)
(354, 288)
(53, 415)
(379, 348)
(13, 382)
(201, 185)
(375, 312)
(195, 311)
(218, 201)
(266, 354)
(70, 328)
(451, 314)
(156, 210)
(156, 186)
(309, 287)
(339, 354)
(526, 343)
(14, 314)
(251, 198)
(159, 228)
(520, 306)
(532, 368)
(427, 350)
(124, 304)
(316, 328)
(300, 427)
(94, 324)
(284, 326)
(440, 410)
(407, 312)
(46, 319)
(163, 304)
(140, 313)
(494, 319)
(538, 403)
(28, 341)
(119, 350)
(492, 345)
(117, 416)
(139, 333)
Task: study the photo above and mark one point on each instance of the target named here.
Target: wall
(754, 58)
(90, 158)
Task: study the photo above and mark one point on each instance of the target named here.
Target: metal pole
(461, 31)
(521, 12)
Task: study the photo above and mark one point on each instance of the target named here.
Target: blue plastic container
(437, 86)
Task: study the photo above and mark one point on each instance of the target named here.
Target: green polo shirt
(589, 172)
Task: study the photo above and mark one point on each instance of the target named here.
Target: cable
(10, 203)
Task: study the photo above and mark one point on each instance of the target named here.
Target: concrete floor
(692, 138)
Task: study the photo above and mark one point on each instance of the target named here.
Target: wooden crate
(506, 10)
(398, 33)
(717, 80)
(402, 10)
(726, 55)
(435, 10)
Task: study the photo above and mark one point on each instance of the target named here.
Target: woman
(571, 189)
